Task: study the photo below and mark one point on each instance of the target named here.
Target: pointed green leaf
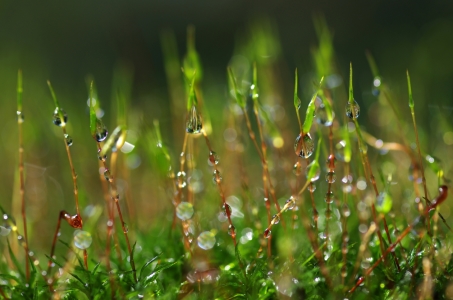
(351, 92)
(315, 168)
(409, 89)
(239, 98)
(347, 151)
(57, 105)
(297, 101)
(309, 115)
(254, 87)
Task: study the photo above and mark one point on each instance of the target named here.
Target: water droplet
(101, 131)
(226, 209)
(321, 116)
(317, 171)
(328, 214)
(291, 202)
(184, 211)
(232, 230)
(267, 233)
(82, 239)
(345, 210)
(20, 117)
(216, 178)
(297, 169)
(383, 203)
(193, 123)
(331, 177)
(107, 175)
(5, 230)
(305, 146)
(352, 110)
(68, 140)
(213, 158)
(102, 158)
(329, 197)
(206, 240)
(275, 219)
(311, 187)
(181, 181)
(56, 117)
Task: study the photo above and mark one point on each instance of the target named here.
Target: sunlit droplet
(206, 240)
(352, 110)
(331, 177)
(276, 219)
(20, 117)
(193, 123)
(321, 116)
(181, 179)
(232, 230)
(82, 239)
(101, 131)
(267, 233)
(184, 211)
(216, 178)
(56, 117)
(329, 197)
(305, 146)
(68, 140)
(290, 203)
(213, 158)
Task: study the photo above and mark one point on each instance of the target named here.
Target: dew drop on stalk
(232, 230)
(352, 110)
(193, 123)
(5, 229)
(345, 210)
(125, 228)
(213, 158)
(331, 177)
(181, 179)
(290, 203)
(206, 240)
(107, 175)
(329, 197)
(102, 158)
(20, 117)
(68, 140)
(304, 145)
(216, 178)
(101, 131)
(227, 209)
(321, 116)
(297, 169)
(276, 219)
(311, 187)
(376, 85)
(184, 211)
(267, 233)
(56, 117)
(82, 239)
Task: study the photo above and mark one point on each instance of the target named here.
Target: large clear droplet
(184, 211)
(5, 228)
(68, 140)
(304, 145)
(82, 239)
(206, 240)
(193, 123)
(321, 116)
(352, 110)
(56, 117)
(101, 131)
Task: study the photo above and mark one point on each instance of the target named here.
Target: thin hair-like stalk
(20, 120)
(60, 120)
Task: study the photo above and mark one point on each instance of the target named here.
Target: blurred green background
(64, 41)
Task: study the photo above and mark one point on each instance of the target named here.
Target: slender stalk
(411, 105)
(73, 173)
(20, 120)
(2, 293)
(218, 181)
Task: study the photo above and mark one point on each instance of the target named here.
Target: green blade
(409, 89)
